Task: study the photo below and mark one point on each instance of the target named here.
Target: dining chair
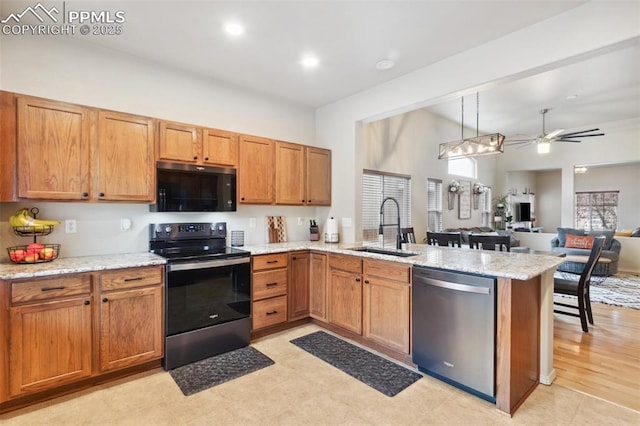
(408, 236)
(444, 239)
(580, 288)
(489, 242)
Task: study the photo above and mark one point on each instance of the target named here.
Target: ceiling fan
(544, 139)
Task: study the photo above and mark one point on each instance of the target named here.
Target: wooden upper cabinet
(290, 173)
(179, 142)
(219, 147)
(124, 158)
(52, 149)
(256, 165)
(318, 176)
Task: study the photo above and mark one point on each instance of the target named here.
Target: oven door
(208, 309)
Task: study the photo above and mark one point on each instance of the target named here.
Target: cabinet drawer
(389, 270)
(346, 263)
(270, 261)
(269, 312)
(130, 278)
(50, 288)
(269, 284)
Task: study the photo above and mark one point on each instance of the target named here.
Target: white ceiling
(349, 37)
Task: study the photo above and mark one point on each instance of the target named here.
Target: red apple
(18, 255)
(35, 248)
(47, 253)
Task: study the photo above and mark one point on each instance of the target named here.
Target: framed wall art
(464, 202)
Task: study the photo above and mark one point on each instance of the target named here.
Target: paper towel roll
(331, 231)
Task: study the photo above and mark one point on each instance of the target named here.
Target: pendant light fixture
(475, 146)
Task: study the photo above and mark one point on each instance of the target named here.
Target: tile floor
(301, 389)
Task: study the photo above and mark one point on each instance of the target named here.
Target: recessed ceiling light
(310, 61)
(572, 97)
(385, 64)
(234, 29)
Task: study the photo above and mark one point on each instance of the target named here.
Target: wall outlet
(300, 221)
(125, 224)
(70, 226)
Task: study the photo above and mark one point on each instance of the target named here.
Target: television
(524, 212)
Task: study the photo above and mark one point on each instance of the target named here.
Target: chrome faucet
(382, 224)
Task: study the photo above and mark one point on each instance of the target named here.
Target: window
(597, 210)
(434, 205)
(376, 186)
(466, 167)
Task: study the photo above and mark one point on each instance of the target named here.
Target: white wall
(592, 26)
(548, 199)
(91, 75)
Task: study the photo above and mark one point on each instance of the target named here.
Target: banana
(23, 219)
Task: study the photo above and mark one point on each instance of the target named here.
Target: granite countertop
(520, 266)
(68, 265)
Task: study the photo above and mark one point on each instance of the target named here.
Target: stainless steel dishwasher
(453, 326)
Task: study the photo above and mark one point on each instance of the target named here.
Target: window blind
(597, 210)
(434, 205)
(376, 186)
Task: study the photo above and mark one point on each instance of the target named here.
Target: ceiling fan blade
(580, 136)
(553, 134)
(566, 140)
(521, 142)
(580, 131)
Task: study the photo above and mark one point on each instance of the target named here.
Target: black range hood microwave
(192, 188)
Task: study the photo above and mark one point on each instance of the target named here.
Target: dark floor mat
(201, 375)
(382, 375)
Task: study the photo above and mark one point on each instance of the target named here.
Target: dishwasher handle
(453, 286)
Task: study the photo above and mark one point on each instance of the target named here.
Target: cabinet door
(290, 184)
(131, 327)
(318, 176)
(386, 313)
(256, 164)
(298, 291)
(180, 142)
(318, 286)
(50, 344)
(219, 147)
(124, 158)
(53, 150)
(345, 295)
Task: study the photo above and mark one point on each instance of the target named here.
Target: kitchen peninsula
(524, 316)
(524, 310)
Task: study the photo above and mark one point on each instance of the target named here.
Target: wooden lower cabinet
(131, 319)
(298, 292)
(64, 329)
(345, 292)
(318, 286)
(387, 304)
(50, 340)
(269, 290)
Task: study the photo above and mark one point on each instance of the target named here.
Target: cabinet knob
(101, 194)
(105, 300)
(357, 280)
(242, 199)
(85, 194)
(86, 302)
(308, 201)
(366, 281)
(195, 157)
(293, 257)
(206, 158)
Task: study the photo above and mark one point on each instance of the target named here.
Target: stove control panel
(181, 231)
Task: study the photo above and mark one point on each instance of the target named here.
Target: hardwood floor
(605, 362)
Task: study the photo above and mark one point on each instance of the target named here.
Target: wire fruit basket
(33, 253)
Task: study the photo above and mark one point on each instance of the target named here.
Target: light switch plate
(70, 226)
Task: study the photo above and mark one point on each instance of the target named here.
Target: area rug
(200, 375)
(622, 289)
(382, 375)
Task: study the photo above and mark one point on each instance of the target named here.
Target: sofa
(611, 250)
(464, 233)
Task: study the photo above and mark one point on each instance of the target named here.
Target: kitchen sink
(385, 251)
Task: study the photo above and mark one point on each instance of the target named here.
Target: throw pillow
(563, 232)
(623, 233)
(580, 242)
(608, 237)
